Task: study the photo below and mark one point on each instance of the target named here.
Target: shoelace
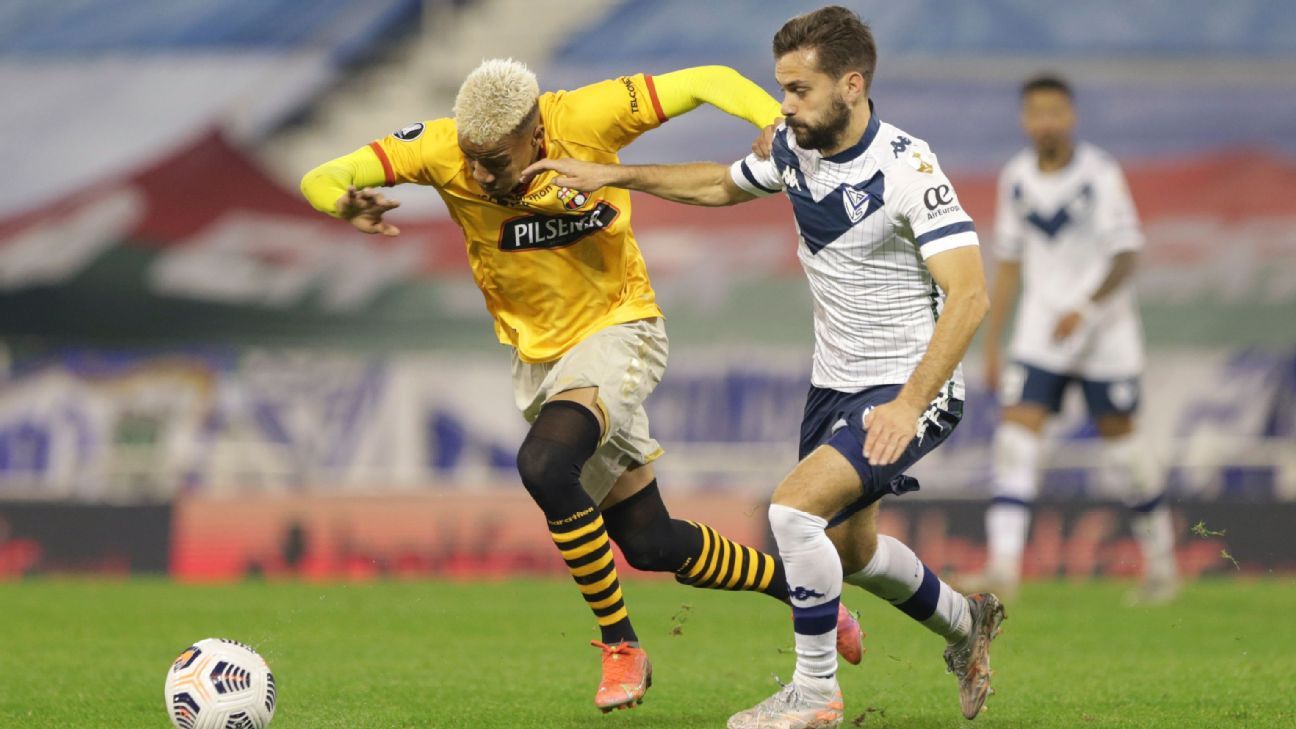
(609, 649)
(956, 661)
(785, 698)
(619, 670)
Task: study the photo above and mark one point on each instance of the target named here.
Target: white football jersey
(867, 218)
(1064, 227)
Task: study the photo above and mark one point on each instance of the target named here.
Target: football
(220, 684)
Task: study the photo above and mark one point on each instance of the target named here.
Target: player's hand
(574, 173)
(890, 429)
(364, 210)
(763, 147)
(1067, 325)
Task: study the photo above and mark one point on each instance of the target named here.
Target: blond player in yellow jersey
(564, 280)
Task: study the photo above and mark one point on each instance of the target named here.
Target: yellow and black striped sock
(722, 564)
(583, 542)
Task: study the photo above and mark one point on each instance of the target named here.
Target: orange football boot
(627, 674)
(850, 637)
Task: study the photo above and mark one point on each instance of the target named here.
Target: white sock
(896, 575)
(814, 576)
(1016, 478)
(1154, 532)
(1006, 524)
(1152, 524)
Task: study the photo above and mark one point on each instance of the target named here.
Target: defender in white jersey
(895, 271)
(1068, 234)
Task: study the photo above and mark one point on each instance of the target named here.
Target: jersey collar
(855, 150)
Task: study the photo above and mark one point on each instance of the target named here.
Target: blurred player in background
(895, 272)
(1068, 237)
(565, 282)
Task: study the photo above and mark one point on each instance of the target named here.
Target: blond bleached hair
(495, 99)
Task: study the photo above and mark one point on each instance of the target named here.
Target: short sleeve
(1116, 217)
(610, 114)
(924, 198)
(757, 176)
(417, 152)
(1009, 239)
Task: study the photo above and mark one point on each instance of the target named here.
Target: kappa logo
(855, 202)
(409, 133)
(803, 593)
(790, 179)
(900, 144)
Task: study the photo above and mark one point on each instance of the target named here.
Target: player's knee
(1031, 416)
(1016, 462)
(547, 467)
(1131, 463)
(1115, 425)
(648, 537)
(791, 523)
(562, 438)
(649, 551)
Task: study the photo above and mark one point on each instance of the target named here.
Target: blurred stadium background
(203, 378)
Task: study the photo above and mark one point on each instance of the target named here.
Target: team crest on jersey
(572, 199)
(409, 133)
(855, 202)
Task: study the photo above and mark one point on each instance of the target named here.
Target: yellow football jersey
(555, 265)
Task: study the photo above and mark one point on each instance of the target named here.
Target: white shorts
(625, 362)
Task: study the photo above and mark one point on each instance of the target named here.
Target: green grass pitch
(515, 654)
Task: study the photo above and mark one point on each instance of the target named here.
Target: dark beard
(826, 135)
(1056, 152)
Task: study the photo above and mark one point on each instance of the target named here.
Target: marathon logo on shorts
(534, 232)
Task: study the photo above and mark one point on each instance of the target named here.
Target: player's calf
(702, 557)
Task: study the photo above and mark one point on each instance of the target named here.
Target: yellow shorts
(625, 362)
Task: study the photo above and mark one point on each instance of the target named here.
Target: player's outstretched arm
(693, 183)
(720, 86)
(341, 188)
(891, 426)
